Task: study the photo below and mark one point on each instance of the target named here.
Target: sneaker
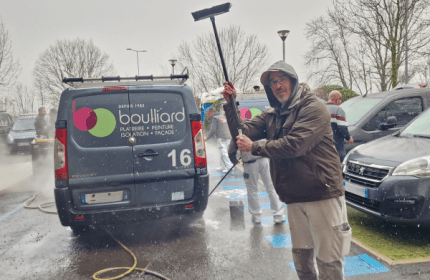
(225, 171)
(219, 168)
(279, 220)
(256, 220)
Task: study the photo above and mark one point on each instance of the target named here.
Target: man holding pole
(304, 167)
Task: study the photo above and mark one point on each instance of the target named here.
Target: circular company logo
(246, 113)
(99, 122)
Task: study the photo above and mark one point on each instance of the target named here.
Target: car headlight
(419, 167)
(9, 138)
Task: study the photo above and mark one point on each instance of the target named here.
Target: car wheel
(12, 151)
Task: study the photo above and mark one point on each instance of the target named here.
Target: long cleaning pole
(233, 107)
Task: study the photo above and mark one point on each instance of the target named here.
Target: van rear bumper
(69, 215)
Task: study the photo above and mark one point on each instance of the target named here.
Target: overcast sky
(158, 27)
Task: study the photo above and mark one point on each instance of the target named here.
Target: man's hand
(229, 90)
(350, 141)
(244, 143)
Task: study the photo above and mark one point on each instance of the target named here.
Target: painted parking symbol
(231, 180)
(359, 265)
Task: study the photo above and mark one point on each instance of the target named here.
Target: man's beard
(283, 99)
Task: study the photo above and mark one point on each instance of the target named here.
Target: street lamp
(137, 53)
(283, 34)
(173, 62)
(406, 44)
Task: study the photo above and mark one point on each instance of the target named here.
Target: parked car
(408, 86)
(127, 153)
(389, 177)
(375, 115)
(6, 123)
(21, 134)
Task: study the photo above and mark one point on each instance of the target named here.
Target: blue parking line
(222, 174)
(230, 180)
(238, 196)
(241, 196)
(279, 240)
(359, 265)
(238, 187)
(5, 216)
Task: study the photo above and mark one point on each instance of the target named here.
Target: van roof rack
(126, 81)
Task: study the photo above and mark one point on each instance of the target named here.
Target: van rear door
(99, 155)
(163, 154)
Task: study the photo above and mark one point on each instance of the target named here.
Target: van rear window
(109, 120)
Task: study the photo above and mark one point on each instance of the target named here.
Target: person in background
(40, 124)
(219, 129)
(253, 167)
(304, 166)
(52, 120)
(338, 123)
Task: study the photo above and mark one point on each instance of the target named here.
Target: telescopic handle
(233, 106)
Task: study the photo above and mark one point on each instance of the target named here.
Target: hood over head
(290, 72)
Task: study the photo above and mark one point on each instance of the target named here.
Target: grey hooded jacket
(304, 163)
(219, 127)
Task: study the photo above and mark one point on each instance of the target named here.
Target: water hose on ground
(129, 269)
(95, 275)
(41, 206)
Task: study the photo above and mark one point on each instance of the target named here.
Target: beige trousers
(321, 226)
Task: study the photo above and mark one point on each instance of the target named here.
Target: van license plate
(24, 144)
(94, 198)
(357, 190)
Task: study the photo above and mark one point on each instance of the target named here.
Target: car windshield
(4, 120)
(24, 124)
(420, 126)
(356, 108)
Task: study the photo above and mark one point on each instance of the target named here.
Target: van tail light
(60, 155)
(199, 145)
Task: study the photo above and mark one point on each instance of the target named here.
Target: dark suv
(378, 114)
(125, 153)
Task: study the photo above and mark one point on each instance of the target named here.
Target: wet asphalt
(34, 245)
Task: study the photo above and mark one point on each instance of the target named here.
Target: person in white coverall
(253, 167)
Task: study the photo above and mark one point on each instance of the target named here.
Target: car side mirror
(391, 122)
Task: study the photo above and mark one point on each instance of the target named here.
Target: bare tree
(328, 59)
(243, 54)
(9, 68)
(362, 42)
(68, 58)
(20, 100)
